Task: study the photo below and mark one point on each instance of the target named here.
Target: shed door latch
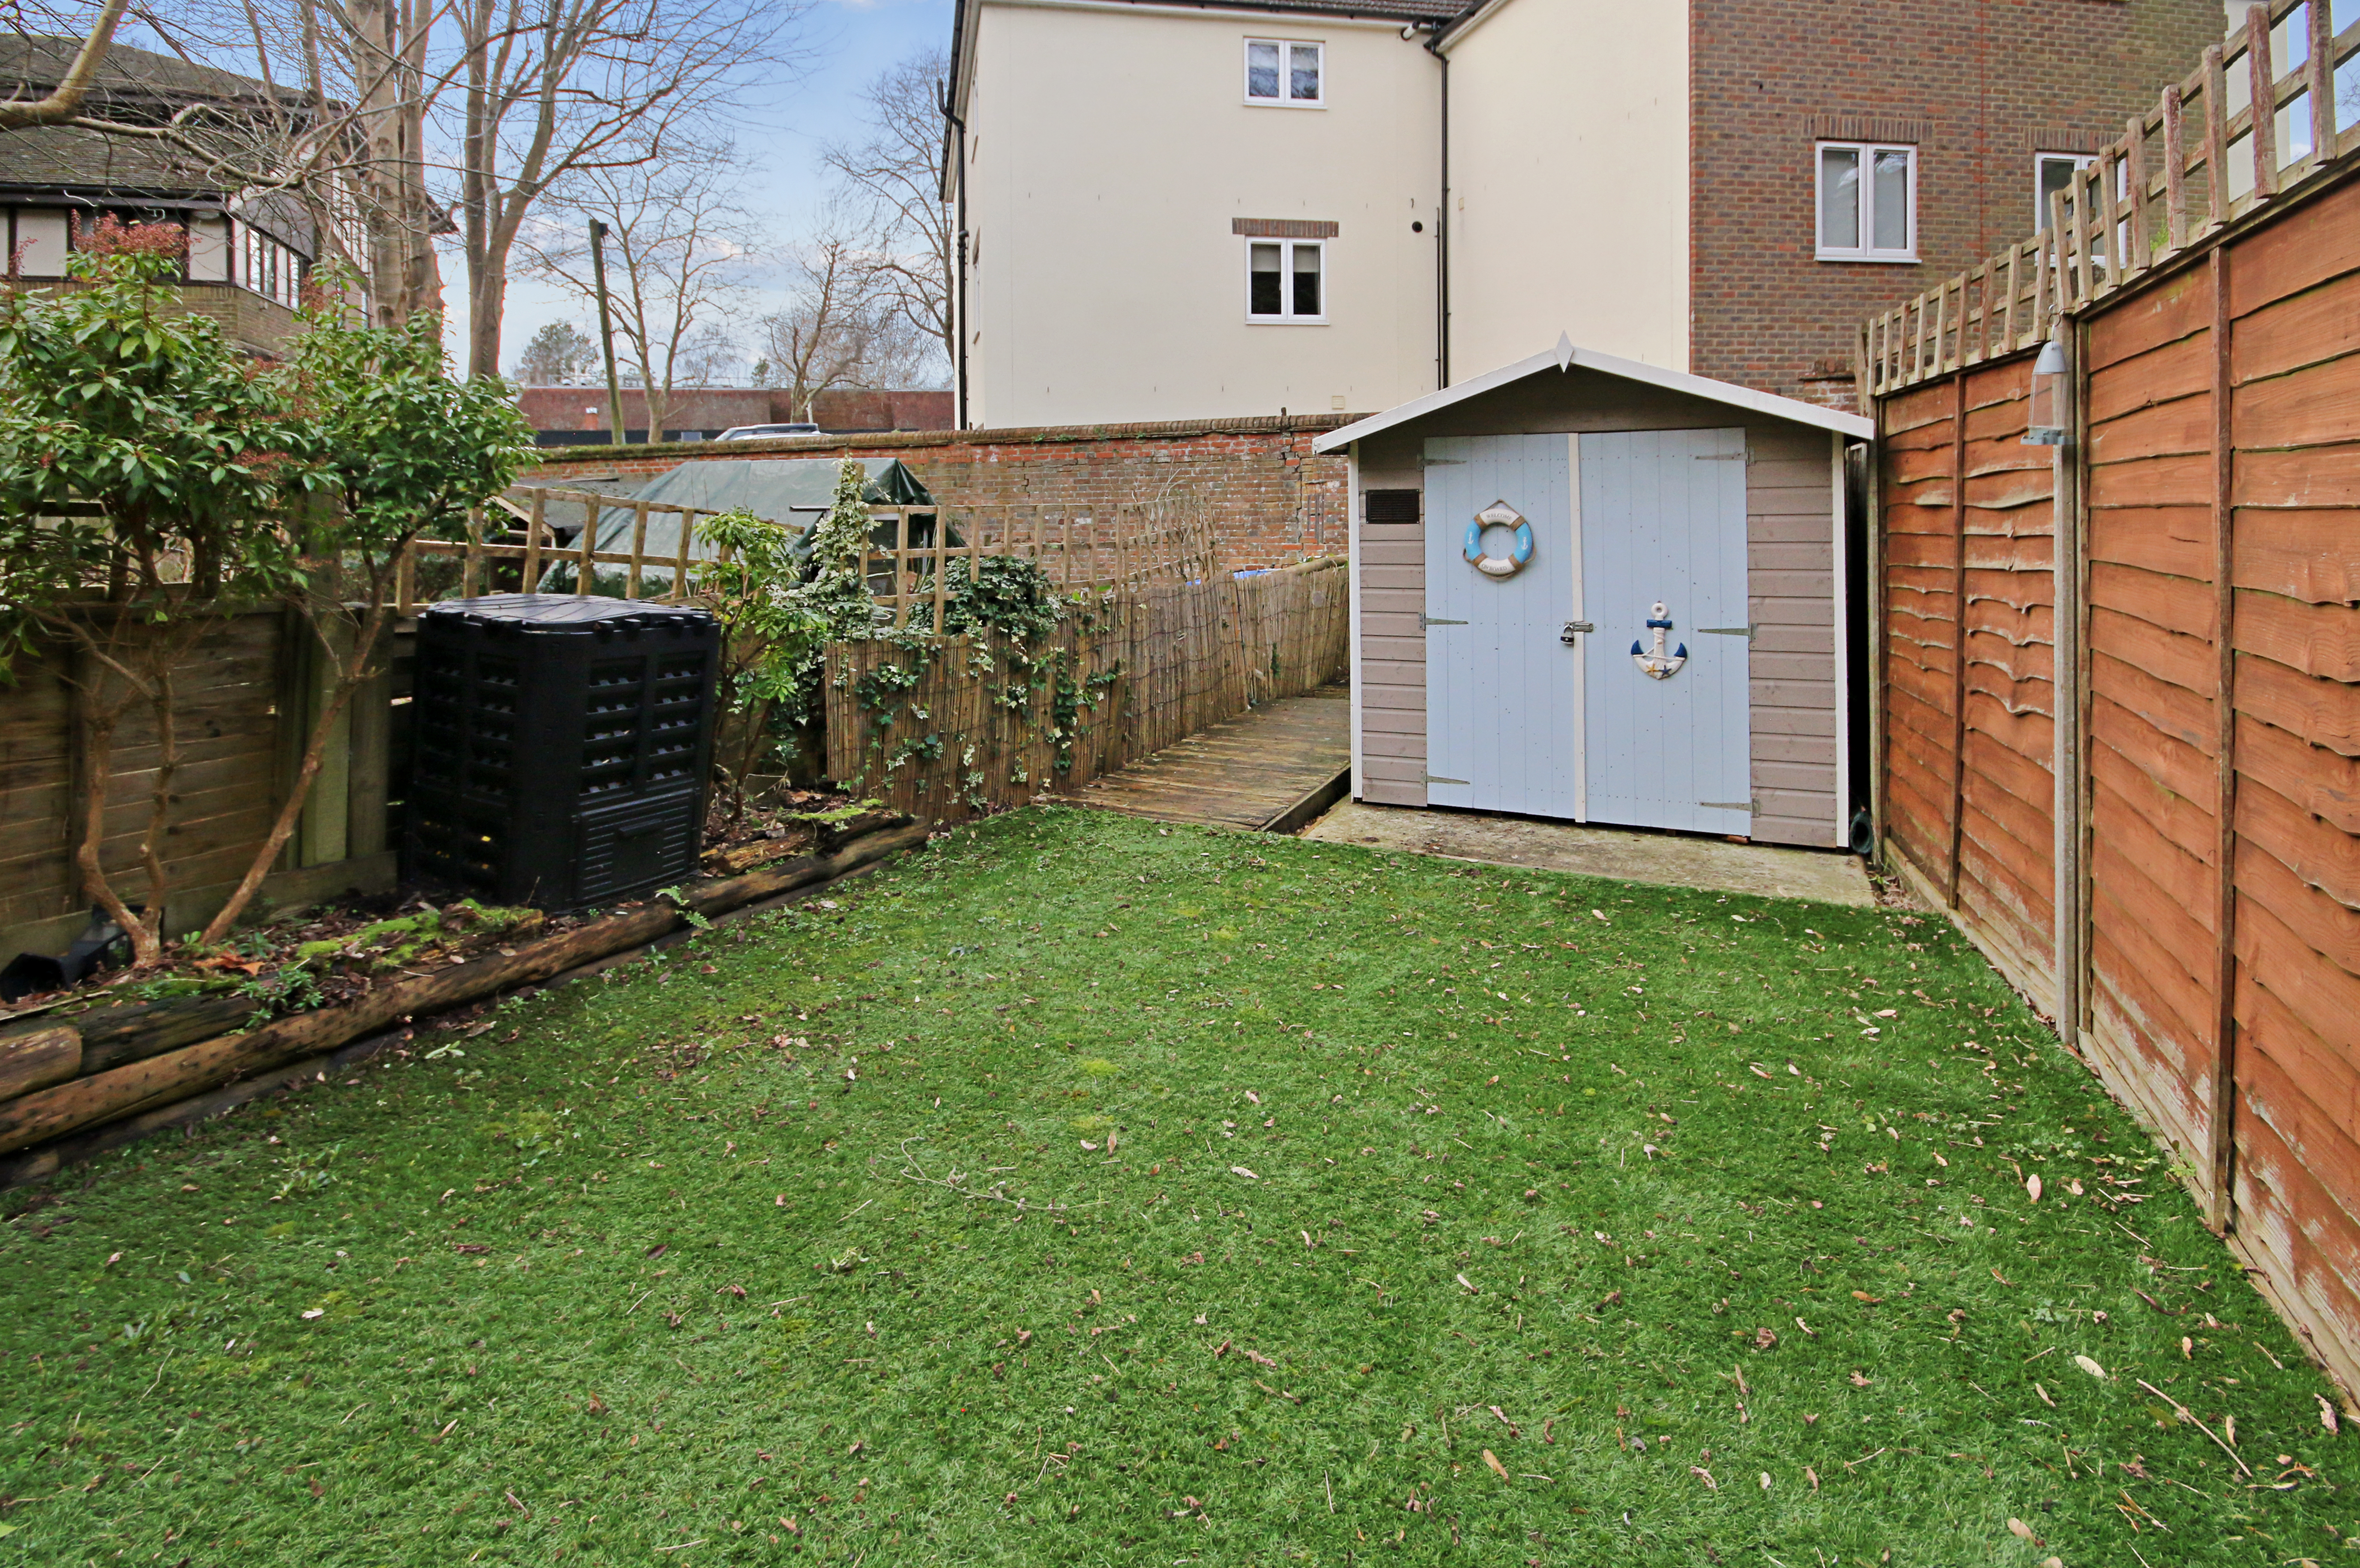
(1574, 628)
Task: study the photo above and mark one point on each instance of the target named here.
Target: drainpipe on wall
(1442, 226)
(956, 151)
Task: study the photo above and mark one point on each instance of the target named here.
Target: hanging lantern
(2047, 426)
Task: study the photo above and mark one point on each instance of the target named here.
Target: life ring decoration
(1499, 514)
(1656, 664)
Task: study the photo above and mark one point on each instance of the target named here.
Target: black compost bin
(559, 746)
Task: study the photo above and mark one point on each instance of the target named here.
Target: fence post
(2264, 141)
(1958, 637)
(941, 557)
(584, 579)
(532, 574)
(2066, 547)
(2222, 1210)
(639, 549)
(901, 566)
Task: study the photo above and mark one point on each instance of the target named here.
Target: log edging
(48, 1128)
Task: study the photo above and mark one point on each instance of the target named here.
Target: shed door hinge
(1435, 778)
(1744, 456)
(1424, 620)
(1752, 806)
(1744, 631)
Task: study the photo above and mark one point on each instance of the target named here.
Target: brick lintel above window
(1869, 127)
(1282, 228)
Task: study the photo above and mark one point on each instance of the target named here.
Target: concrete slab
(1624, 855)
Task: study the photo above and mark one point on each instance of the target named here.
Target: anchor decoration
(1499, 514)
(1659, 665)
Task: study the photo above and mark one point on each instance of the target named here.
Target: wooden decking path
(1274, 769)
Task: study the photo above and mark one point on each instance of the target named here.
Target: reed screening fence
(946, 727)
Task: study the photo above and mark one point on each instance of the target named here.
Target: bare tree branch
(63, 105)
(677, 255)
(895, 174)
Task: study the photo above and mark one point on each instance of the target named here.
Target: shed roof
(1566, 356)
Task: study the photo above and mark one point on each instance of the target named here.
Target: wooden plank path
(1274, 769)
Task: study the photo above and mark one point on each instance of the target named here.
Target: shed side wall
(1391, 672)
(1790, 595)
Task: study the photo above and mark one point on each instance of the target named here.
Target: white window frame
(2040, 160)
(1907, 254)
(1285, 74)
(1287, 248)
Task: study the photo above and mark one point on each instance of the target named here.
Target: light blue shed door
(1662, 520)
(1503, 731)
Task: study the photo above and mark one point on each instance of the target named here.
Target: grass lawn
(1083, 1191)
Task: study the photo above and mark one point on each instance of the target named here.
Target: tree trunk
(350, 671)
(163, 704)
(98, 763)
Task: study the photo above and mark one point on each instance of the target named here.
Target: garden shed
(1597, 590)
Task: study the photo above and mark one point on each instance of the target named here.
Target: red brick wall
(1978, 85)
(714, 409)
(1274, 499)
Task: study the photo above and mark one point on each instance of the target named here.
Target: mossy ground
(1540, 1170)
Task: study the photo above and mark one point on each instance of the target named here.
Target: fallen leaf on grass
(1493, 1461)
(2044, 1395)
(1258, 1358)
(1241, 1170)
(1705, 1475)
(2326, 1412)
(2089, 1366)
(1856, 1380)
(1864, 1296)
(2003, 1278)
(2032, 1185)
(1469, 1284)
(2021, 1530)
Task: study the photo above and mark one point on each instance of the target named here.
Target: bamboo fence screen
(952, 727)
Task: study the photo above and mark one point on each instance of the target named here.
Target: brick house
(1310, 205)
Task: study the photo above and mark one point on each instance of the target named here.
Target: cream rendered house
(1427, 190)
(1181, 210)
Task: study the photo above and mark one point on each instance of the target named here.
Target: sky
(849, 43)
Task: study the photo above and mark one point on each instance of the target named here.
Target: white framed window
(1286, 282)
(1867, 201)
(2051, 173)
(1286, 73)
